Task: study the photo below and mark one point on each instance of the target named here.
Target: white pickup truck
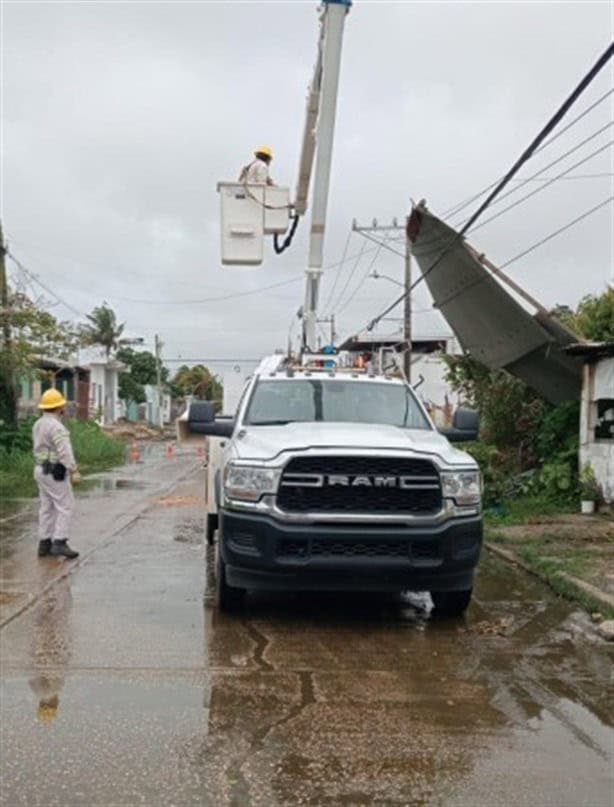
(338, 480)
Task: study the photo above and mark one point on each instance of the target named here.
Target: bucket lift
(249, 212)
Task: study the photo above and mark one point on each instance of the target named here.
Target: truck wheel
(211, 528)
(228, 598)
(450, 603)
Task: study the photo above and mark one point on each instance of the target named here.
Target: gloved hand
(75, 477)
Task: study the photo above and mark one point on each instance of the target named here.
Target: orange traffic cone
(135, 454)
(170, 451)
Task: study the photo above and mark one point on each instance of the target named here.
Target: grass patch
(94, 450)
(525, 510)
(547, 556)
(565, 589)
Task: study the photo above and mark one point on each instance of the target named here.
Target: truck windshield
(334, 401)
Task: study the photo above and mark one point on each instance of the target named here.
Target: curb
(602, 597)
(73, 566)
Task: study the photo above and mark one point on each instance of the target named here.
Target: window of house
(604, 430)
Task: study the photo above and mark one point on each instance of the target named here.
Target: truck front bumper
(263, 553)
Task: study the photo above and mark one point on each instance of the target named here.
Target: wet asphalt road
(122, 685)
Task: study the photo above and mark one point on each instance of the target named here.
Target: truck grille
(360, 485)
(305, 548)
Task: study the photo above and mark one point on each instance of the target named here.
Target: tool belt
(54, 469)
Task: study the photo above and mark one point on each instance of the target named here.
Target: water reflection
(51, 649)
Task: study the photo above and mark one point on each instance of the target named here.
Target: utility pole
(158, 348)
(8, 406)
(388, 228)
(329, 321)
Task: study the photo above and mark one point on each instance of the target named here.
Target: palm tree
(103, 330)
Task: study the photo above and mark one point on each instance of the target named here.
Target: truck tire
(211, 527)
(229, 599)
(450, 603)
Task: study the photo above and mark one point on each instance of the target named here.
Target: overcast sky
(120, 118)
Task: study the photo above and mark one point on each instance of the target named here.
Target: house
(154, 404)
(105, 406)
(597, 411)
(428, 368)
(72, 381)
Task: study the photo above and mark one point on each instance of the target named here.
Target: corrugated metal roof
(488, 321)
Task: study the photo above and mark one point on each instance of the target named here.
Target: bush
(558, 481)
(94, 451)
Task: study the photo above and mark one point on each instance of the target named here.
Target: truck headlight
(465, 487)
(249, 482)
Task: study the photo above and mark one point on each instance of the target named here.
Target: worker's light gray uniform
(52, 442)
(256, 173)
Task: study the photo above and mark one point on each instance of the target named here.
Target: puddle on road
(189, 532)
(106, 485)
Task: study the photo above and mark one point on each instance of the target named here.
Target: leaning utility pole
(396, 227)
(8, 404)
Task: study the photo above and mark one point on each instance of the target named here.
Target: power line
(382, 243)
(547, 182)
(524, 157)
(350, 276)
(338, 274)
(33, 277)
(599, 175)
(525, 252)
(462, 205)
(361, 282)
(542, 187)
(568, 153)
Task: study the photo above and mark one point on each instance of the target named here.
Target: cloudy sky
(119, 118)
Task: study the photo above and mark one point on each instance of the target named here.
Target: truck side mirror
(465, 426)
(202, 420)
(201, 412)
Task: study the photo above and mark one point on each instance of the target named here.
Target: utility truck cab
(335, 479)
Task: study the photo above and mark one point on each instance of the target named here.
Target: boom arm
(318, 145)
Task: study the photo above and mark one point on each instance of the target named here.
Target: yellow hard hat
(266, 150)
(52, 399)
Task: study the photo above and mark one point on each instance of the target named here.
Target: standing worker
(55, 472)
(257, 172)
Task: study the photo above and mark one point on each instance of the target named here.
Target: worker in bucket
(257, 172)
(55, 472)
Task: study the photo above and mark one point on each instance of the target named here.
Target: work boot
(62, 548)
(44, 547)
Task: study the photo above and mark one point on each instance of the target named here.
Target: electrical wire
(381, 243)
(462, 205)
(530, 249)
(361, 283)
(541, 187)
(338, 274)
(547, 167)
(524, 157)
(349, 278)
(34, 278)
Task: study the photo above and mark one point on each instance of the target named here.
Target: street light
(376, 276)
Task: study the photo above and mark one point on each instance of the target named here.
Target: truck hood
(266, 443)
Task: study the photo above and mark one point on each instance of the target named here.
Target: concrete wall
(599, 453)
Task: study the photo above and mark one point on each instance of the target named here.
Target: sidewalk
(106, 505)
(573, 553)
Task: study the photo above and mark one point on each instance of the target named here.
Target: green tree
(198, 381)
(595, 316)
(509, 409)
(103, 329)
(34, 334)
(130, 389)
(142, 371)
